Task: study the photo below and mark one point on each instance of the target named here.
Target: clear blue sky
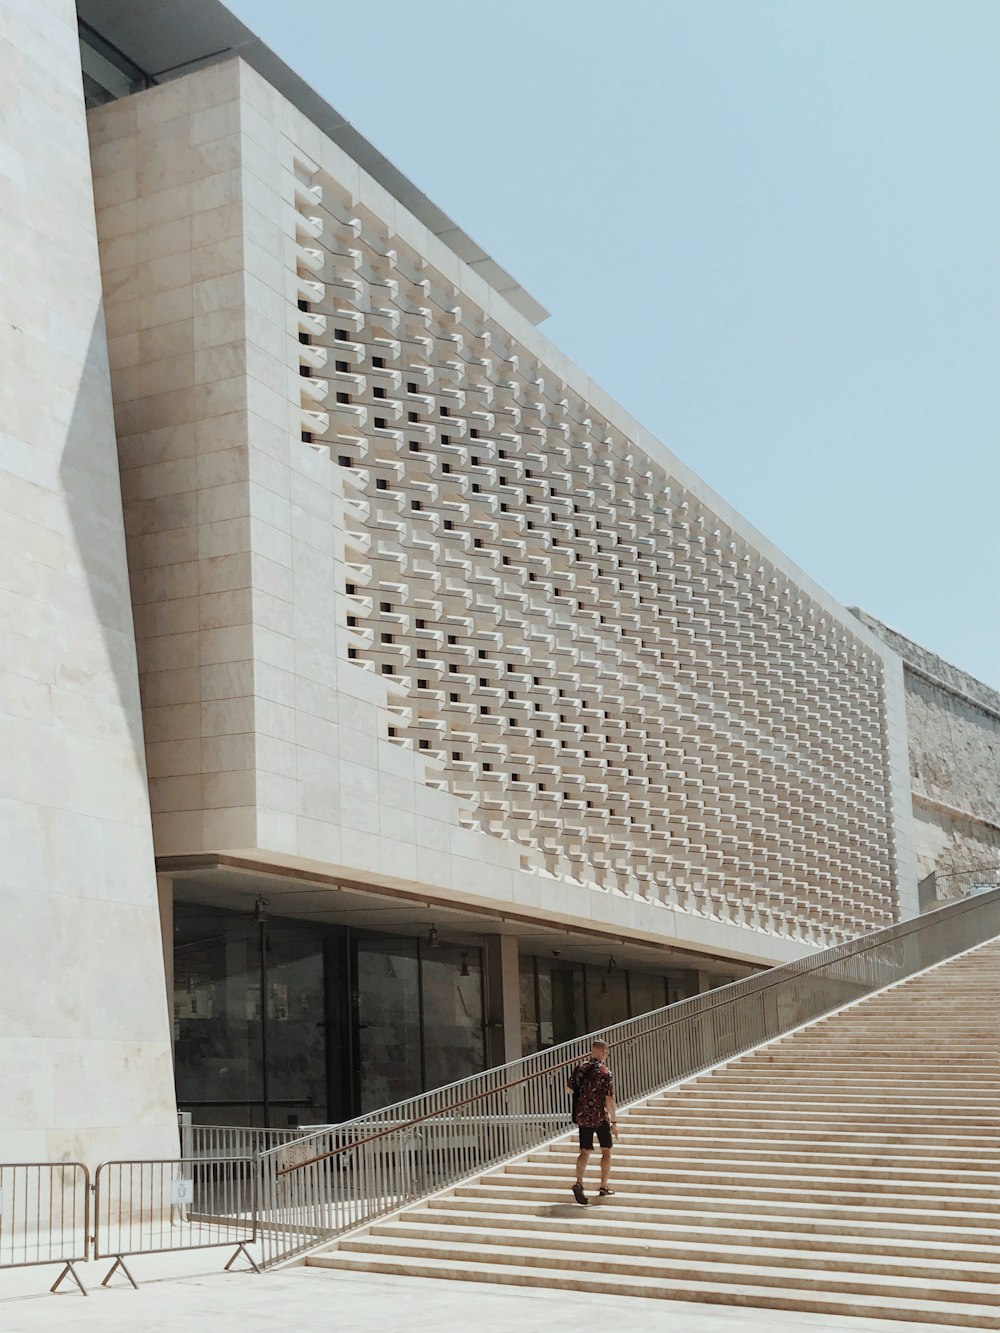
(768, 227)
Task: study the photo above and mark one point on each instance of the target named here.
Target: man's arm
(611, 1111)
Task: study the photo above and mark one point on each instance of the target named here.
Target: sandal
(578, 1193)
(604, 1191)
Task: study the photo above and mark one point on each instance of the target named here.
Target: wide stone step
(816, 1118)
(957, 1310)
(759, 1269)
(709, 1229)
(740, 1136)
(726, 1280)
(800, 1098)
(661, 1154)
(657, 1246)
(782, 1201)
(799, 1219)
(642, 1178)
(826, 1080)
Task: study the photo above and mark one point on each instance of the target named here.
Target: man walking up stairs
(594, 1111)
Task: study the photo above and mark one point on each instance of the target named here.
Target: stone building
(953, 725)
(471, 717)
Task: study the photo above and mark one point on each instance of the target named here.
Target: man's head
(599, 1048)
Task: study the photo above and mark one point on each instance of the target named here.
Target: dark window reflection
(453, 1009)
(607, 997)
(646, 992)
(561, 1000)
(296, 990)
(217, 1039)
(552, 1002)
(420, 1017)
(530, 1041)
(219, 1025)
(389, 1057)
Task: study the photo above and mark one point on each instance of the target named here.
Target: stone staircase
(851, 1167)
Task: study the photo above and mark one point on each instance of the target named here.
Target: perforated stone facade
(418, 602)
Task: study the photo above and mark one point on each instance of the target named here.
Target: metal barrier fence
(45, 1216)
(326, 1183)
(150, 1207)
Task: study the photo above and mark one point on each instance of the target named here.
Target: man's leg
(605, 1167)
(581, 1163)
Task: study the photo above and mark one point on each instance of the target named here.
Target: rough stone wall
(953, 722)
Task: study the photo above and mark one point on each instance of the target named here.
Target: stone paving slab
(177, 1291)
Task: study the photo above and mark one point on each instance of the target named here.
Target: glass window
(389, 1063)
(453, 1013)
(216, 1015)
(220, 1031)
(646, 992)
(607, 997)
(529, 1007)
(681, 985)
(568, 1014)
(296, 1040)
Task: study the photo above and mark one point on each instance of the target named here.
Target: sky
(769, 228)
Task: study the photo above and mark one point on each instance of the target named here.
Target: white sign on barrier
(182, 1191)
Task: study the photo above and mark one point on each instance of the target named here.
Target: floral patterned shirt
(592, 1085)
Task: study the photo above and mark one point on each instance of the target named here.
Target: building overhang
(235, 882)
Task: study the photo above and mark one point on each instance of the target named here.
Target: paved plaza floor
(189, 1292)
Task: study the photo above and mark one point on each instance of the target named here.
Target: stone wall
(953, 722)
(85, 1069)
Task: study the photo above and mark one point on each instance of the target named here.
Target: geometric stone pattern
(612, 677)
(395, 573)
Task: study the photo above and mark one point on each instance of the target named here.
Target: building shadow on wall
(91, 483)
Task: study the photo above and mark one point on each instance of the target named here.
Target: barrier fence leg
(119, 1263)
(242, 1249)
(74, 1275)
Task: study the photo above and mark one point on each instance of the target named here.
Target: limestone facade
(418, 605)
(953, 725)
(85, 1068)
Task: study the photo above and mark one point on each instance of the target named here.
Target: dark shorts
(603, 1132)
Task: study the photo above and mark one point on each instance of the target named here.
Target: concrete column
(706, 981)
(503, 1000)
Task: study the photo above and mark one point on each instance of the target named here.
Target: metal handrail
(731, 993)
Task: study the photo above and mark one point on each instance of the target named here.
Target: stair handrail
(720, 996)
